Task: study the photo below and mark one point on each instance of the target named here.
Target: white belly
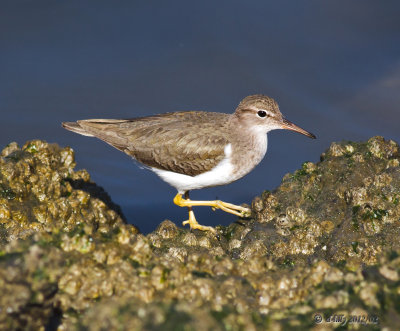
(224, 172)
(220, 175)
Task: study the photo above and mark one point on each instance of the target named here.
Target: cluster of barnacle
(117, 282)
(338, 208)
(81, 267)
(40, 191)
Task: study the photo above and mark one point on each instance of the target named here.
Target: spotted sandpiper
(195, 149)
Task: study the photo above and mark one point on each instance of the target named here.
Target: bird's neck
(249, 148)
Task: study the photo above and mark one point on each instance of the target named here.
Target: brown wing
(183, 142)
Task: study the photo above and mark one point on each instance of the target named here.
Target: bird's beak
(291, 126)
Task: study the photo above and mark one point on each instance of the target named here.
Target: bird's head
(262, 113)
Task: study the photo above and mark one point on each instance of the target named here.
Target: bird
(196, 149)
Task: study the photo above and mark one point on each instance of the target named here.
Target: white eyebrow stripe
(270, 113)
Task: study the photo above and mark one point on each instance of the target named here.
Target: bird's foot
(231, 208)
(214, 204)
(195, 225)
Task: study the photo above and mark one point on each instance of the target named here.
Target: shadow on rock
(96, 191)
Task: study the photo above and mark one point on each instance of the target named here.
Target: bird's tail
(75, 127)
(104, 129)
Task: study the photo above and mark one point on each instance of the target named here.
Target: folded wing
(182, 142)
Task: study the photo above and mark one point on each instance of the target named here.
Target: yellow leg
(215, 204)
(194, 224)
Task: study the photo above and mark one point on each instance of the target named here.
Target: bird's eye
(262, 113)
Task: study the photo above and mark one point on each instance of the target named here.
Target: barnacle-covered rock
(321, 251)
(342, 209)
(40, 191)
(49, 215)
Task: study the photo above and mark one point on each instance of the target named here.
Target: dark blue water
(333, 66)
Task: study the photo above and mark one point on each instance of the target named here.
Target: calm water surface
(333, 66)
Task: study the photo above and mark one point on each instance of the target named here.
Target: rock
(324, 242)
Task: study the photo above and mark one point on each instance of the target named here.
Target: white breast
(220, 175)
(252, 155)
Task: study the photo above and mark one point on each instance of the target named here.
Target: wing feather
(182, 142)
